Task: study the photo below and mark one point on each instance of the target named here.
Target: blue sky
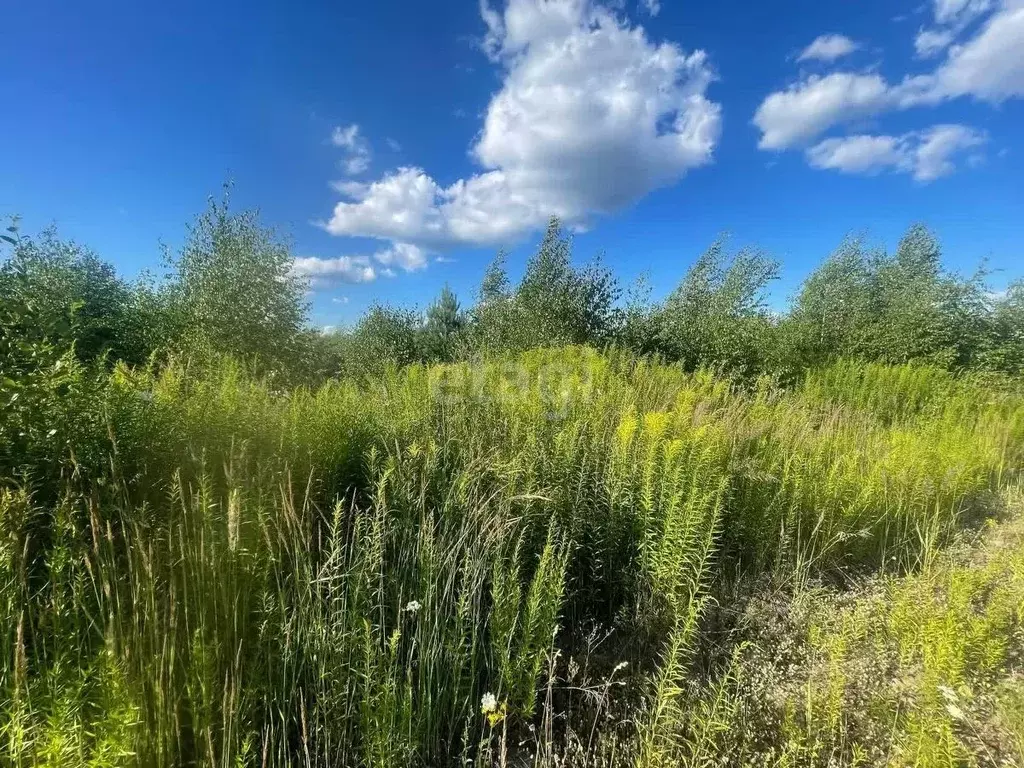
(399, 144)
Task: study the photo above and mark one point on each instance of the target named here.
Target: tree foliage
(1006, 348)
(233, 289)
(384, 336)
(555, 303)
(46, 394)
(890, 307)
(59, 277)
(442, 336)
(718, 314)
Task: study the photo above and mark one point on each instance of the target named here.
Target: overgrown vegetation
(554, 528)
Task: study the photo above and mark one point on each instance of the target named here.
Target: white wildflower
(413, 606)
(488, 703)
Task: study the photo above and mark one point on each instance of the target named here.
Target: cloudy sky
(399, 144)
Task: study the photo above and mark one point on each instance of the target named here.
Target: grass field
(558, 558)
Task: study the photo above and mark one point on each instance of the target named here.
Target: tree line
(231, 290)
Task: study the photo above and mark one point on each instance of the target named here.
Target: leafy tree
(233, 289)
(831, 316)
(890, 308)
(322, 355)
(718, 315)
(495, 286)
(1006, 340)
(639, 322)
(555, 303)
(905, 301)
(384, 336)
(967, 317)
(492, 319)
(58, 277)
(47, 398)
(562, 304)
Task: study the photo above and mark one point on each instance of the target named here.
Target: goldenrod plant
(341, 576)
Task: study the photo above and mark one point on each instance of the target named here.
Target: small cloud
(926, 155)
(393, 145)
(328, 329)
(357, 149)
(932, 42)
(828, 48)
(408, 257)
(353, 166)
(351, 189)
(321, 273)
(343, 269)
(339, 300)
(653, 7)
(444, 260)
(347, 137)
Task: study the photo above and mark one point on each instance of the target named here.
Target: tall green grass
(923, 669)
(492, 562)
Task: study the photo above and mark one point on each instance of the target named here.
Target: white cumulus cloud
(828, 48)
(591, 115)
(807, 109)
(342, 269)
(926, 155)
(988, 66)
(322, 273)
